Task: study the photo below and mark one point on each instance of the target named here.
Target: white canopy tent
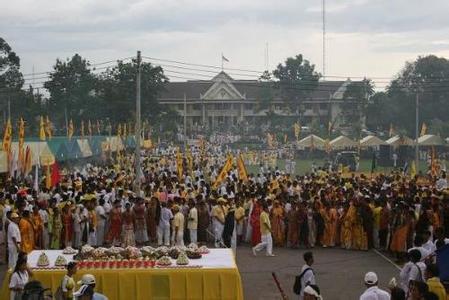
(399, 140)
(84, 147)
(40, 152)
(342, 142)
(312, 141)
(371, 141)
(430, 140)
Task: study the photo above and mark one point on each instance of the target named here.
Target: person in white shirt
(192, 222)
(19, 278)
(373, 292)
(45, 236)
(163, 228)
(429, 245)
(307, 274)
(101, 222)
(414, 270)
(14, 239)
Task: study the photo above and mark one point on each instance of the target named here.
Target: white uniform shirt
(375, 293)
(411, 272)
(192, 222)
(307, 279)
(13, 231)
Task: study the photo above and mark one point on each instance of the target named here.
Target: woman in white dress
(19, 278)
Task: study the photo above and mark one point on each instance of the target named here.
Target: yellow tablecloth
(200, 283)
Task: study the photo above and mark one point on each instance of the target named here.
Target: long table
(217, 278)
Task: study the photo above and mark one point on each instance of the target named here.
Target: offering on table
(182, 260)
(203, 250)
(193, 254)
(164, 261)
(99, 252)
(133, 252)
(60, 261)
(87, 249)
(43, 260)
(192, 246)
(69, 250)
(174, 252)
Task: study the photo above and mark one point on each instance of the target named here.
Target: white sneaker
(254, 251)
(271, 255)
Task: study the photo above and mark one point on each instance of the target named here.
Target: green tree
(429, 77)
(11, 79)
(297, 79)
(72, 88)
(265, 92)
(117, 88)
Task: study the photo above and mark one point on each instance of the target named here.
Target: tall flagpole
(222, 63)
(137, 133)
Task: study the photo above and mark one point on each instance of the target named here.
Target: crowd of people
(191, 200)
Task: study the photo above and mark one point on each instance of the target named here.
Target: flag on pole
(48, 129)
(21, 159)
(189, 159)
(223, 58)
(179, 164)
(28, 166)
(47, 177)
(224, 171)
(55, 175)
(70, 130)
(413, 170)
(243, 174)
(297, 130)
(42, 135)
(7, 137)
(119, 130)
(36, 178)
(423, 129)
(434, 170)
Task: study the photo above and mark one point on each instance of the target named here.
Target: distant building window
(196, 107)
(323, 106)
(248, 106)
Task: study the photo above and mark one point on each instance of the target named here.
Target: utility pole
(324, 39)
(137, 132)
(417, 131)
(185, 122)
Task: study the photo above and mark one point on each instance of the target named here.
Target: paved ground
(339, 272)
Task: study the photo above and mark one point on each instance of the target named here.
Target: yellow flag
(119, 130)
(179, 164)
(48, 129)
(21, 133)
(413, 169)
(125, 132)
(243, 174)
(7, 136)
(89, 129)
(224, 171)
(297, 130)
(82, 129)
(48, 177)
(189, 159)
(423, 129)
(42, 135)
(70, 130)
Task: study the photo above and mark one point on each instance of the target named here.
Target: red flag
(55, 176)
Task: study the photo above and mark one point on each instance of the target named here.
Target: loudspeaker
(384, 156)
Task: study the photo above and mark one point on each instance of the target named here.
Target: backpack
(297, 286)
(33, 290)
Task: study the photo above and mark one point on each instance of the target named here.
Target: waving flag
(243, 174)
(224, 171)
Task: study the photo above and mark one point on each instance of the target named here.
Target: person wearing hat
(68, 283)
(14, 240)
(87, 289)
(373, 292)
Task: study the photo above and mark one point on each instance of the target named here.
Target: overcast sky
(364, 37)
